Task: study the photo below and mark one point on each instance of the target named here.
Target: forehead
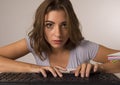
(56, 15)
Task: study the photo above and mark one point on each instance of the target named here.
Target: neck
(57, 51)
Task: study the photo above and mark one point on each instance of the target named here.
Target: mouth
(57, 41)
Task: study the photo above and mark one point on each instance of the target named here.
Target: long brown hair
(37, 39)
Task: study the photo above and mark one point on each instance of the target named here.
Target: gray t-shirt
(86, 51)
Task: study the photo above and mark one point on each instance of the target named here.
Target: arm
(9, 53)
(101, 57)
(14, 50)
(107, 66)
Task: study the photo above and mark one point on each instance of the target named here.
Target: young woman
(57, 44)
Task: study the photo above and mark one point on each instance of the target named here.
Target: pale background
(100, 21)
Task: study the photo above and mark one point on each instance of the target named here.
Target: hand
(85, 68)
(54, 70)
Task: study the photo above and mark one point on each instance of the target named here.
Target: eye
(48, 25)
(63, 25)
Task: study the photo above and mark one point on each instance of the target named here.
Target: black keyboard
(37, 78)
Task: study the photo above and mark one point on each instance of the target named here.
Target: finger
(77, 71)
(83, 70)
(72, 70)
(43, 72)
(58, 72)
(61, 69)
(51, 69)
(95, 67)
(88, 69)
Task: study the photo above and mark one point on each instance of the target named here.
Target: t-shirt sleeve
(87, 50)
(28, 43)
(92, 49)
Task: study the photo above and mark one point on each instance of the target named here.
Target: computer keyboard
(97, 78)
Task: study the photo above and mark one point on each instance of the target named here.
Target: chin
(57, 46)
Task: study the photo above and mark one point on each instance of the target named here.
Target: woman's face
(56, 31)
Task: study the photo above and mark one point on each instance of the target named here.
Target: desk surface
(37, 78)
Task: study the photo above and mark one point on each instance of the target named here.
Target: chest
(68, 60)
(59, 60)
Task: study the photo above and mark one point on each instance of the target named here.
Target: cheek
(66, 34)
(47, 35)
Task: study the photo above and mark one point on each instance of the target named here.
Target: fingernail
(87, 75)
(45, 76)
(55, 75)
(95, 70)
(61, 75)
(82, 75)
(76, 75)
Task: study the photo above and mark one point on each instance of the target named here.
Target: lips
(57, 41)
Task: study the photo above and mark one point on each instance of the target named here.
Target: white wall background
(100, 20)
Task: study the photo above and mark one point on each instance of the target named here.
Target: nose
(57, 31)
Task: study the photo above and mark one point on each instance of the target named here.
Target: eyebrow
(48, 21)
(64, 22)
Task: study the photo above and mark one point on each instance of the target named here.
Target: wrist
(34, 68)
(101, 68)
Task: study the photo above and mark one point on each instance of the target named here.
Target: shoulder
(87, 44)
(28, 42)
(87, 49)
